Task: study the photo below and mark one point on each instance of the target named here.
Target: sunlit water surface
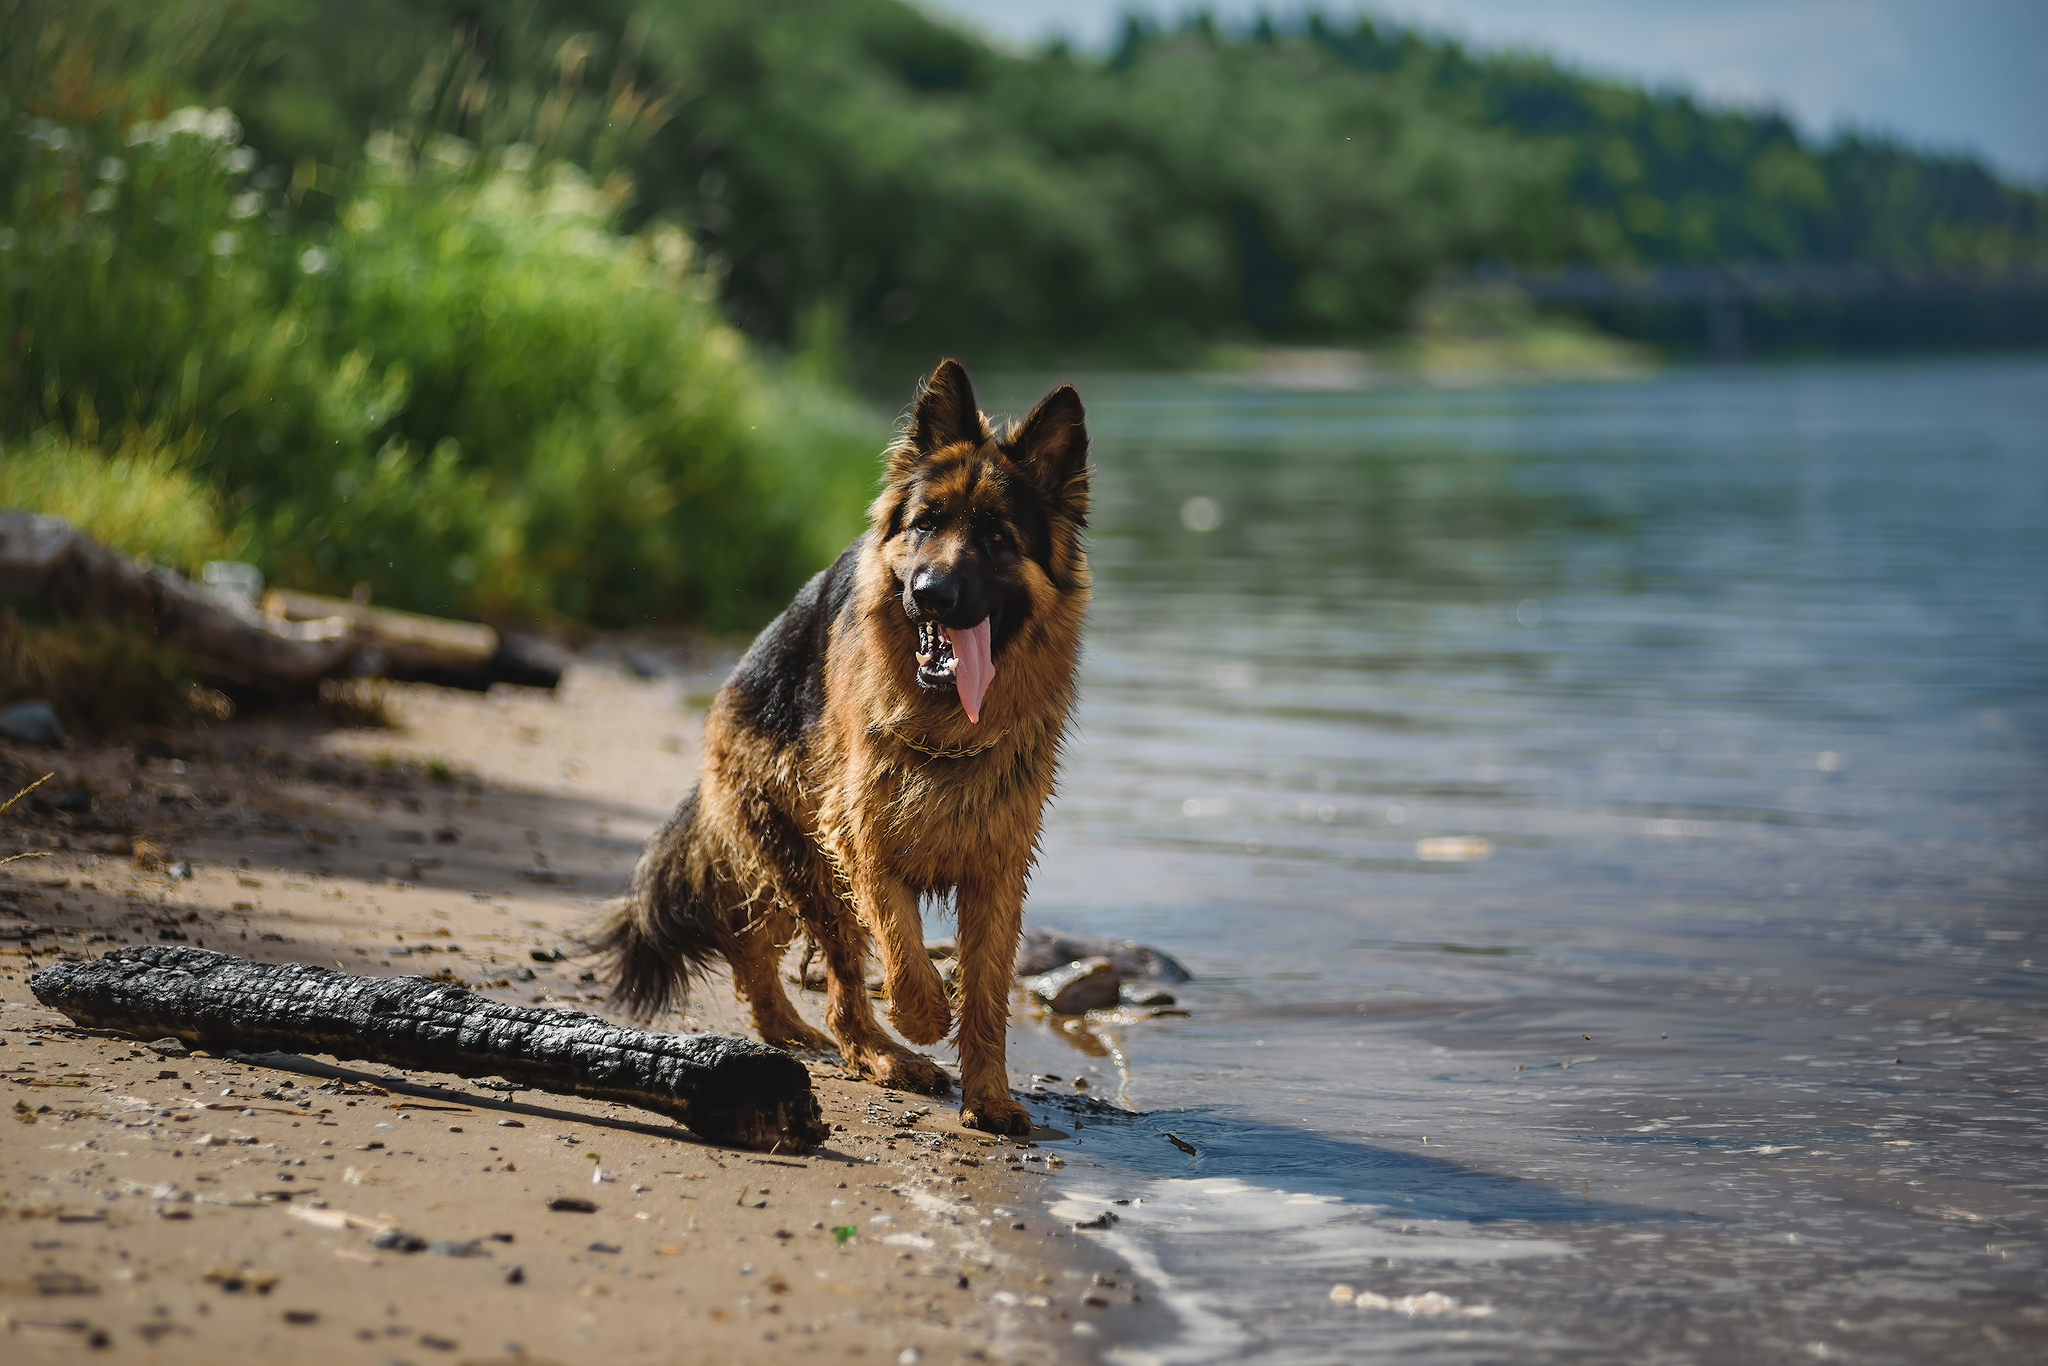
(1731, 1047)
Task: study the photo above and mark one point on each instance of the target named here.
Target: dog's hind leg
(757, 956)
(843, 943)
(917, 998)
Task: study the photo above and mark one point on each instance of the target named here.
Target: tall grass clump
(102, 675)
(136, 498)
(464, 385)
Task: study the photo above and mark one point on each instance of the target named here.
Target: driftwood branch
(407, 645)
(728, 1090)
(409, 642)
(47, 559)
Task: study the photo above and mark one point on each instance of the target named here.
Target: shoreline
(231, 1208)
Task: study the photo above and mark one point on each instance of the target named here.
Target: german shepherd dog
(893, 735)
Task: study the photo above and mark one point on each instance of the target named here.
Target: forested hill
(857, 169)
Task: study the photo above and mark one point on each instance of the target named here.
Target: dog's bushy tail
(667, 928)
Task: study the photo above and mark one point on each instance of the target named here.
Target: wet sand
(199, 1207)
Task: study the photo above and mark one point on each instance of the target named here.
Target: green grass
(137, 499)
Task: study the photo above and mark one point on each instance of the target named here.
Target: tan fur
(890, 792)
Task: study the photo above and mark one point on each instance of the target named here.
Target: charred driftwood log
(46, 559)
(728, 1090)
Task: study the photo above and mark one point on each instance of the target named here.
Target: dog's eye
(997, 538)
(925, 522)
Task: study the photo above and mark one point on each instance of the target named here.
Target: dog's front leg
(917, 998)
(991, 918)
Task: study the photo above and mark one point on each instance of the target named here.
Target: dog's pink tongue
(973, 668)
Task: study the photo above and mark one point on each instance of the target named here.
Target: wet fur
(837, 789)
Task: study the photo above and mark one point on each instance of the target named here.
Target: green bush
(470, 391)
(533, 412)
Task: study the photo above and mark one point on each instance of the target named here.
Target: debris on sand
(46, 559)
(290, 640)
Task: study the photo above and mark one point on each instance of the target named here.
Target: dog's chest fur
(947, 800)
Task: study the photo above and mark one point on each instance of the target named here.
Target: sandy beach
(185, 1208)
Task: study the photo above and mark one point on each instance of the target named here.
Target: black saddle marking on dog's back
(779, 684)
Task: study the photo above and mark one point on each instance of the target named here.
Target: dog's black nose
(936, 594)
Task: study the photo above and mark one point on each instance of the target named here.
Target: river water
(1607, 825)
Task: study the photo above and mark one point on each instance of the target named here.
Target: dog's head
(982, 529)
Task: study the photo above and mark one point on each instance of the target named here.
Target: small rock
(75, 800)
(180, 871)
(572, 1204)
(510, 1124)
(448, 1247)
(32, 723)
(1102, 1220)
(1090, 984)
(523, 975)
(397, 1240)
(169, 1048)
(1132, 996)
(602, 1247)
(527, 661)
(547, 955)
(1042, 949)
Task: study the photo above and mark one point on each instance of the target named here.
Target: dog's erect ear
(1052, 444)
(946, 411)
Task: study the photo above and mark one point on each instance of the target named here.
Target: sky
(1945, 75)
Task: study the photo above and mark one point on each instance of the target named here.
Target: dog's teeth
(923, 659)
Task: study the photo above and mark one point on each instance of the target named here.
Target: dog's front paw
(918, 1007)
(996, 1114)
